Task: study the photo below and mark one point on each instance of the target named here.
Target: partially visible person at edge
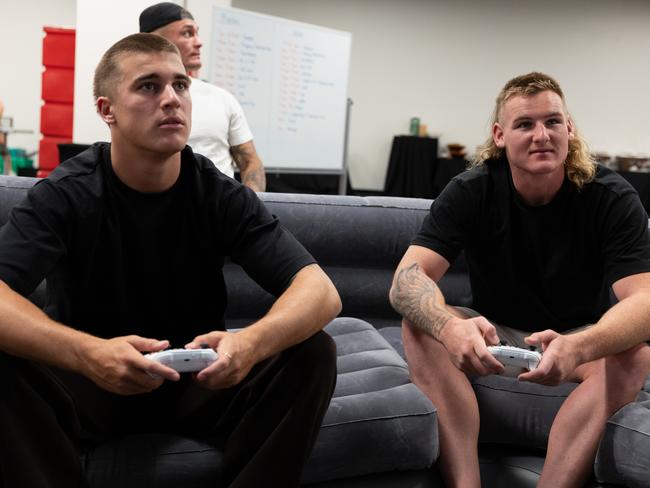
(219, 128)
(131, 237)
(546, 234)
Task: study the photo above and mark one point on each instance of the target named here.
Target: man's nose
(197, 41)
(540, 133)
(170, 97)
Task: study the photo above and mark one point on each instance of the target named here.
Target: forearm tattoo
(250, 166)
(254, 178)
(418, 299)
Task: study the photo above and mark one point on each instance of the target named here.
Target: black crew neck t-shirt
(538, 267)
(121, 262)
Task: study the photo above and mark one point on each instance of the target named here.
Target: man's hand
(466, 341)
(236, 358)
(559, 360)
(117, 365)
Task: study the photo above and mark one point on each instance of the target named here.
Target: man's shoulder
(607, 180)
(479, 176)
(83, 170)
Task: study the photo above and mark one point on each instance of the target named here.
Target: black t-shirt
(548, 266)
(121, 262)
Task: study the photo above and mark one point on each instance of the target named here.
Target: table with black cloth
(414, 169)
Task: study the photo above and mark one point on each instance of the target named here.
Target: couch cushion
(378, 420)
(623, 455)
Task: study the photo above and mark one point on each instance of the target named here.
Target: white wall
(446, 60)
(21, 41)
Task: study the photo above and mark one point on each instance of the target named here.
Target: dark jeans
(267, 425)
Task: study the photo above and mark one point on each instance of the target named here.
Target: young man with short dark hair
(131, 237)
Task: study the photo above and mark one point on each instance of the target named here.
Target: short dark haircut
(107, 72)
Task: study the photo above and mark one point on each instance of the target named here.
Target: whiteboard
(291, 79)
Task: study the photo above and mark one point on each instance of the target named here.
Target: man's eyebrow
(147, 76)
(156, 76)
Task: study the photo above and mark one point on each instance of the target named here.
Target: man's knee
(624, 374)
(317, 354)
(629, 369)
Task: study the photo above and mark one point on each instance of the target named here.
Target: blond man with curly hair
(547, 234)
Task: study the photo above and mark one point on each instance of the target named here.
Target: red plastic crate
(48, 151)
(58, 47)
(58, 85)
(56, 119)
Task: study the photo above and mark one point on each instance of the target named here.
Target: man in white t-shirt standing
(219, 128)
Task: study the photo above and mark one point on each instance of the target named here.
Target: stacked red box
(57, 93)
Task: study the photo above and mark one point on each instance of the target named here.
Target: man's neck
(536, 190)
(144, 171)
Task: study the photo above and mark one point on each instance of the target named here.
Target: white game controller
(185, 360)
(515, 359)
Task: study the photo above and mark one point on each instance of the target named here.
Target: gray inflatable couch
(380, 430)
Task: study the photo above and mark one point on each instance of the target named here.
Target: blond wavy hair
(580, 167)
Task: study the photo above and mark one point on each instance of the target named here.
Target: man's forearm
(251, 169)
(418, 299)
(254, 177)
(622, 327)
(306, 306)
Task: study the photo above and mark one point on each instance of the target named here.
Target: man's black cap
(160, 15)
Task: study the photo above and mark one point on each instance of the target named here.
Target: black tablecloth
(414, 169)
(411, 167)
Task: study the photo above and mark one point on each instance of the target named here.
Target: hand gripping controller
(185, 360)
(515, 359)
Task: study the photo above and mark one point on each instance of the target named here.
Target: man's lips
(541, 151)
(172, 122)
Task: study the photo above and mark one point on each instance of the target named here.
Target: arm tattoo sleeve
(250, 166)
(418, 299)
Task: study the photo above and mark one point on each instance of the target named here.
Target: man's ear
(570, 127)
(497, 135)
(105, 110)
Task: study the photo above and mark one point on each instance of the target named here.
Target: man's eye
(552, 121)
(180, 86)
(148, 87)
(523, 125)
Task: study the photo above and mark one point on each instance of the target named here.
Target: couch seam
(389, 349)
(15, 187)
(618, 424)
(322, 204)
(394, 366)
(520, 392)
(386, 417)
